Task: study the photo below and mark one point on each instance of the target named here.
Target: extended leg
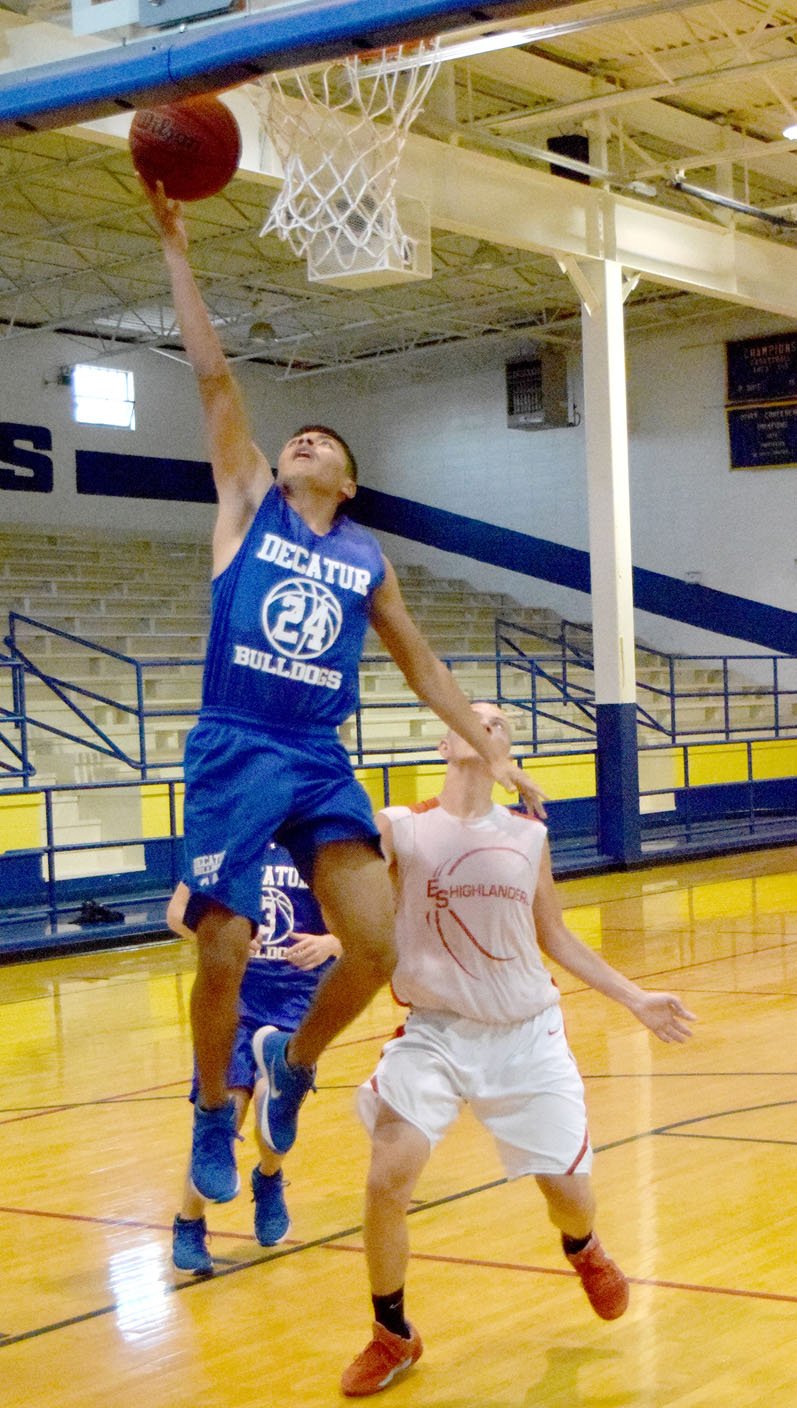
(222, 951)
(351, 883)
(399, 1153)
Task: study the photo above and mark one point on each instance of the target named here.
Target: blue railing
(551, 693)
(78, 697)
(14, 759)
(677, 817)
(771, 694)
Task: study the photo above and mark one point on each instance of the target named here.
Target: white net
(339, 133)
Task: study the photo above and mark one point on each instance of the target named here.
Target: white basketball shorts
(521, 1082)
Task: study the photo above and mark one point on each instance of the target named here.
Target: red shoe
(602, 1279)
(386, 1356)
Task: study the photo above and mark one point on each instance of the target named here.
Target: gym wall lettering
(23, 464)
(26, 466)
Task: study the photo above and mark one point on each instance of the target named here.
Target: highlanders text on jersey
(288, 620)
(464, 928)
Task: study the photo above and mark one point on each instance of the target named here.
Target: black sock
(389, 1313)
(574, 1245)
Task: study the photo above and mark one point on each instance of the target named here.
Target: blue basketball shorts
(244, 786)
(242, 1072)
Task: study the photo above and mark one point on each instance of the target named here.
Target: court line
(27, 1112)
(133, 1097)
(332, 1240)
(690, 967)
(730, 1138)
(562, 1271)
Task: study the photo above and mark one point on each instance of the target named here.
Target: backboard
(69, 61)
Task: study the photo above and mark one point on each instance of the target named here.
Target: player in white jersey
(476, 909)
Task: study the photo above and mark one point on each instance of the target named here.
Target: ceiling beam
(482, 196)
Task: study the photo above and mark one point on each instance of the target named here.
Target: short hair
(351, 463)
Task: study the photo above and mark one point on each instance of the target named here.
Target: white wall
(439, 435)
(433, 428)
(168, 423)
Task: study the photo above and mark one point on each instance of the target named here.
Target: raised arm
(435, 685)
(662, 1012)
(240, 470)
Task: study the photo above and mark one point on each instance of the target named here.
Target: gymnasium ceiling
(689, 93)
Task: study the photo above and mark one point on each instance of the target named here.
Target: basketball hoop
(339, 133)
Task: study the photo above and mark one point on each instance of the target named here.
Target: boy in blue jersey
(289, 955)
(295, 587)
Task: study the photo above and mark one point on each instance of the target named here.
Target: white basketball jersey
(464, 927)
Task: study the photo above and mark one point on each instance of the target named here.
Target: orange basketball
(193, 147)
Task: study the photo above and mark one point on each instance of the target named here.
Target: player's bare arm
(241, 471)
(662, 1012)
(435, 685)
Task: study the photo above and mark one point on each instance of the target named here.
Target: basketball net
(339, 133)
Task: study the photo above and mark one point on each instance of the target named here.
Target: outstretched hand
(665, 1015)
(169, 216)
(514, 779)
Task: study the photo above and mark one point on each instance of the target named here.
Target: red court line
(440, 1259)
(437, 1258)
(131, 1222)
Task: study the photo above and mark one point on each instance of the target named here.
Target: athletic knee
(389, 1183)
(371, 959)
(223, 942)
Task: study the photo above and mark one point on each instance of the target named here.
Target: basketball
(192, 146)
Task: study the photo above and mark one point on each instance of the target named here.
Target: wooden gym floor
(695, 1171)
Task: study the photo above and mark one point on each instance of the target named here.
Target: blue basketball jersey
(272, 990)
(288, 620)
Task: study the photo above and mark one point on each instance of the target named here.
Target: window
(103, 396)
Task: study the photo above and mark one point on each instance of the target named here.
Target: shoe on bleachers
(213, 1170)
(605, 1285)
(380, 1362)
(189, 1246)
(286, 1086)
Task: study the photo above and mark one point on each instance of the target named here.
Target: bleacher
(118, 625)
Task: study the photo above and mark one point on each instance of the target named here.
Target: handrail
(99, 740)
(753, 816)
(17, 718)
(774, 692)
(552, 690)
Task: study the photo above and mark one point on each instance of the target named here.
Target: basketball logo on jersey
(301, 619)
(457, 889)
(277, 920)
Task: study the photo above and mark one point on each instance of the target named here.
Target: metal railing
(771, 693)
(681, 821)
(553, 690)
(14, 759)
(78, 697)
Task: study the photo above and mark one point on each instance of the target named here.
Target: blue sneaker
(213, 1170)
(272, 1223)
(189, 1246)
(286, 1087)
